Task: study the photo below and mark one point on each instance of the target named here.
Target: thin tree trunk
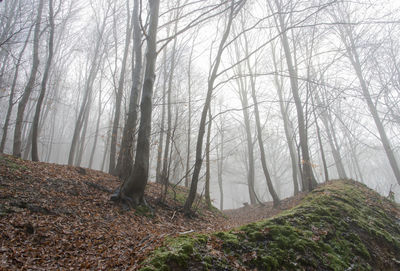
(286, 125)
(96, 133)
(207, 150)
(12, 93)
(159, 173)
(321, 147)
(35, 125)
(326, 120)
(200, 137)
(30, 84)
(82, 141)
(132, 190)
(95, 65)
(117, 115)
(189, 124)
(125, 158)
(168, 138)
(355, 61)
(220, 158)
(267, 175)
(308, 174)
(270, 186)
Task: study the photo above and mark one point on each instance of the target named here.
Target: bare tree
(35, 124)
(132, 190)
(30, 84)
(119, 92)
(200, 136)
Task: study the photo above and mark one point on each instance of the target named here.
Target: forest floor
(56, 217)
(60, 217)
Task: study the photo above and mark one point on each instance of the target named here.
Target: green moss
(176, 253)
(336, 227)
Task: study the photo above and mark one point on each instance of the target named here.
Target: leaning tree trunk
(132, 190)
(355, 61)
(326, 120)
(12, 93)
(267, 175)
(29, 85)
(308, 174)
(200, 137)
(35, 125)
(95, 64)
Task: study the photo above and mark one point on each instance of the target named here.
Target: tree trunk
(208, 173)
(132, 191)
(12, 93)
(308, 174)
(270, 186)
(286, 124)
(355, 61)
(118, 98)
(220, 164)
(200, 137)
(189, 123)
(35, 125)
(95, 65)
(29, 85)
(125, 158)
(159, 174)
(326, 120)
(82, 141)
(96, 135)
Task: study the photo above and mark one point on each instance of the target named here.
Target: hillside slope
(56, 217)
(342, 225)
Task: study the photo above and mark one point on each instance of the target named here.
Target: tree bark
(35, 125)
(208, 172)
(118, 98)
(29, 85)
(95, 65)
(308, 174)
(355, 61)
(132, 190)
(200, 137)
(125, 158)
(286, 124)
(12, 93)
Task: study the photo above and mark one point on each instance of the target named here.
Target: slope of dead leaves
(60, 217)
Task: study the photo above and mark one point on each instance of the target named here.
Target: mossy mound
(342, 225)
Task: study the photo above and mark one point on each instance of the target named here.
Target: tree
(347, 33)
(12, 93)
(309, 179)
(35, 125)
(132, 191)
(29, 86)
(125, 158)
(119, 92)
(95, 63)
(200, 137)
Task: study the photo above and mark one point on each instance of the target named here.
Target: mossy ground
(340, 226)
